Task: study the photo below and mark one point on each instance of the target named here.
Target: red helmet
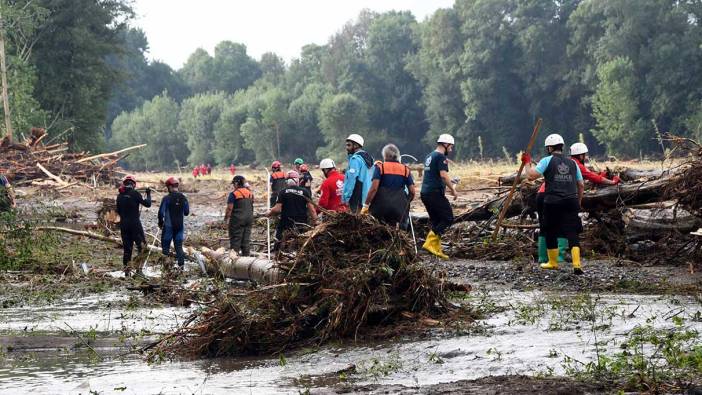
(276, 165)
(172, 181)
(129, 179)
(304, 168)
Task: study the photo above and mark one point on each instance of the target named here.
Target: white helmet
(445, 139)
(578, 148)
(356, 139)
(553, 139)
(327, 164)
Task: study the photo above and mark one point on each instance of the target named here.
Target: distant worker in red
(332, 188)
(278, 182)
(203, 169)
(232, 169)
(196, 171)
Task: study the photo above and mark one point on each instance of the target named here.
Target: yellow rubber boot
(552, 263)
(428, 241)
(439, 249)
(575, 253)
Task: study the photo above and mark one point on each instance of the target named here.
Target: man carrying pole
(433, 194)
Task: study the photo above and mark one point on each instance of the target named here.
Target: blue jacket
(360, 169)
(174, 207)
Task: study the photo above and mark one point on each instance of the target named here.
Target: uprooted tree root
(347, 275)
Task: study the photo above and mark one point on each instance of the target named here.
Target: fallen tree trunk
(228, 264)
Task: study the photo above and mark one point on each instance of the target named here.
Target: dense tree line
(613, 73)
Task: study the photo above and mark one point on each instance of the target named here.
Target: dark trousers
(439, 210)
(561, 220)
(355, 202)
(133, 234)
(240, 237)
(389, 206)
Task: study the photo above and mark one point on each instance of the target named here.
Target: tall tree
(75, 80)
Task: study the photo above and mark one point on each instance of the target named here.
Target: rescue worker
(130, 228)
(578, 153)
(392, 189)
(174, 207)
(7, 195)
(196, 172)
(306, 178)
(433, 194)
(562, 199)
(232, 169)
(277, 181)
(358, 176)
(209, 169)
(294, 205)
(298, 163)
(332, 188)
(239, 216)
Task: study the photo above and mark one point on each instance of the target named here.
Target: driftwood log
(230, 265)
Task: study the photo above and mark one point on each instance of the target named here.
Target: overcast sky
(175, 28)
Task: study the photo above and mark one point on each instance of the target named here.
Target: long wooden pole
(3, 72)
(516, 182)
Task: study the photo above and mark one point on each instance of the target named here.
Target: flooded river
(85, 345)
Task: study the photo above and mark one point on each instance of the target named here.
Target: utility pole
(3, 72)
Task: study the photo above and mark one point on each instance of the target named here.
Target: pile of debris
(346, 276)
(32, 162)
(647, 219)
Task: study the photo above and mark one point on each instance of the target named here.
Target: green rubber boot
(543, 254)
(562, 249)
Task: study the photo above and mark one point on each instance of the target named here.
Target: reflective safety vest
(277, 182)
(393, 169)
(243, 206)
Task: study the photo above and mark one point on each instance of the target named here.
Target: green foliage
(19, 247)
(198, 117)
(480, 70)
(154, 124)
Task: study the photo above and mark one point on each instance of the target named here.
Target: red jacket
(589, 175)
(332, 189)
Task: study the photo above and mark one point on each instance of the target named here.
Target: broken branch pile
(348, 274)
(55, 165)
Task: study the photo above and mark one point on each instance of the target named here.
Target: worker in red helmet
(277, 181)
(171, 221)
(306, 178)
(196, 171)
(131, 230)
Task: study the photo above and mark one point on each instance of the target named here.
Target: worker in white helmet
(358, 177)
(562, 200)
(578, 152)
(433, 194)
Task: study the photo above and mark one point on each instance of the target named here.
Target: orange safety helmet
(304, 168)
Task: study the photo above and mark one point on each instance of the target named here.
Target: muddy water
(515, 341)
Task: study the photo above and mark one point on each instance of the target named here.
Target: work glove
(364, 210)
(526, 158)
(616, 180)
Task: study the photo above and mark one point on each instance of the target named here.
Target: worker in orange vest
(392, 189)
